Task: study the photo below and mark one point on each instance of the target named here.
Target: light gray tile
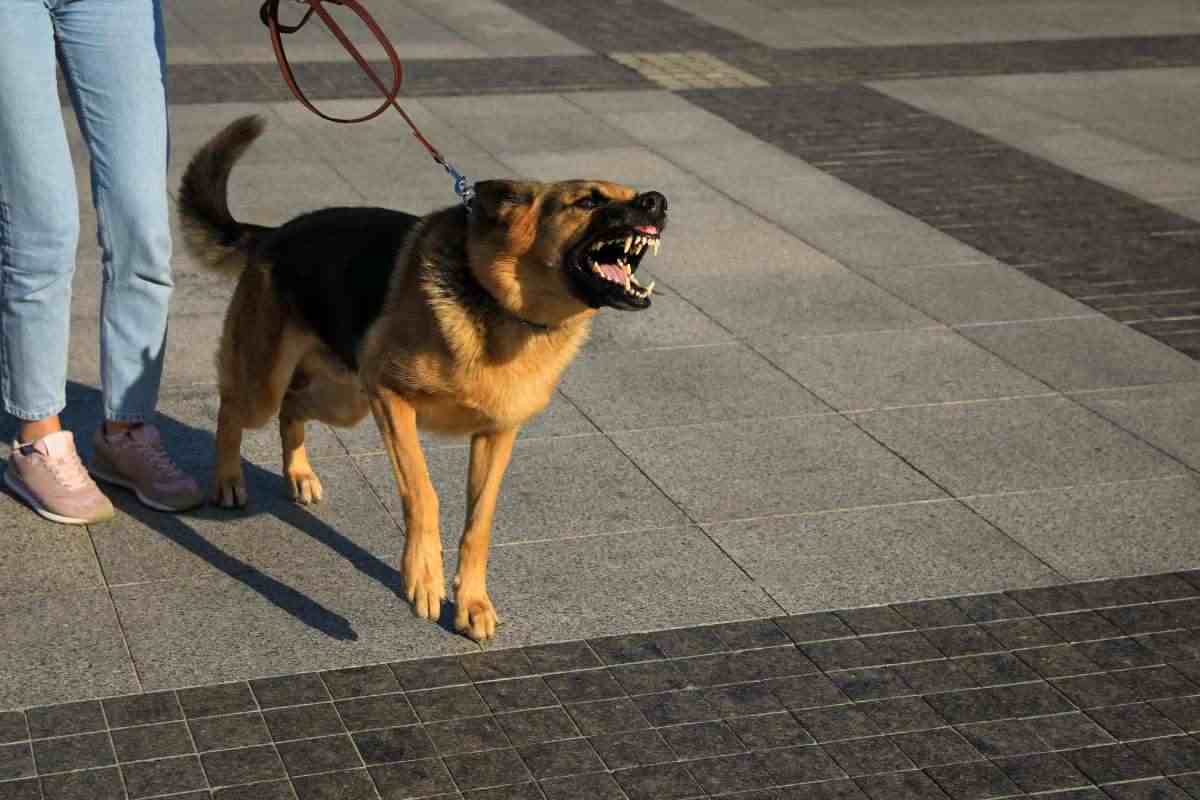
(601, 585)
(884, 243)
(553, 488)
(1105, 531)
(274, 621)
(1165, 416)
(982, 293)
(633, 166)
(191, 346)
(758, 467)
(671, 321)
(624, 391)
(877, 370)
(61, 647)
(526, 123)
(1009, 445)
(38, 556)
(497, 29)
(1090, 353)
(878, 555)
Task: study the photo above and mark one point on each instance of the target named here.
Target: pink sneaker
(137, 460)
(49, 476)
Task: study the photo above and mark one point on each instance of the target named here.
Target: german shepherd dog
(459, 322)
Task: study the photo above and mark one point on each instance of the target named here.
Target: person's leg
(39, 222)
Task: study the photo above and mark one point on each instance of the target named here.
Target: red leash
(269, 14)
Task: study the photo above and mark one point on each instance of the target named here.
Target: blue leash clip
(462, 185)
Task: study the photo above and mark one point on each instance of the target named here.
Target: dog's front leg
(474, 613)
(424, 579)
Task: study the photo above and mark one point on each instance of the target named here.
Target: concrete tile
(1010, 445)
(39, 556)
(985, 293)
(1149, 178)
(878, 555)
(758, 467)
(1104, 531)
(1165, 416)
(768, 26)
(1092, 353)
(525, 123)
(626, 391)
(877, 370)
(350, 526)
(1077, 145)
(603, 585)
(630, 102)
(191, 346)
(633, 166)
(673, 126)
(497, 29)
(883, 243)
(61, 647)
(671, 321)
(553, 488)
(277, 621)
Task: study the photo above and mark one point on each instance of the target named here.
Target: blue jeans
(112, 57)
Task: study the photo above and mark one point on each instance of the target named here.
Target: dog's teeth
(649, 288)
(654, 246)
(628, 243)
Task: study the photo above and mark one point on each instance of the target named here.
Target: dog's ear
(500, 202)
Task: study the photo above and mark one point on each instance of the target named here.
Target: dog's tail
(209, 231)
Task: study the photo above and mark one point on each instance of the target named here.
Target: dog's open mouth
(605, 266)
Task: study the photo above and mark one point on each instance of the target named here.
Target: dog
(459, 322)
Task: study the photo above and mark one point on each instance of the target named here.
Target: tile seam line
(112, 603)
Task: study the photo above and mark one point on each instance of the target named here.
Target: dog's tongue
(613, 273)
(649, 230)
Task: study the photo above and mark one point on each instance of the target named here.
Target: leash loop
(269, 14)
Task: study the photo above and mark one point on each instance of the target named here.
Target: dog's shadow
(83, 415)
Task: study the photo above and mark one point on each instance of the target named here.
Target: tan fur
(428, 361)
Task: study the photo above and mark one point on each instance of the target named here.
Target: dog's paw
(424, 581)
(230, 492)
(474, 614)
(305, 487)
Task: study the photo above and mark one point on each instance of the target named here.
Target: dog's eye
(587, 202)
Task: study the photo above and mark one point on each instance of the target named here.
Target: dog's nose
(654, 202)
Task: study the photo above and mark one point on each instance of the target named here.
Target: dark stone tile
(927, 677)
(248, 765)
(469, 735)
(826, 790)
(577, 687)
(772, 662)
(207, 701)
(1081, 626)
(1149, 618)
(1019, 633)
(291, 690)
(1005, 738)
(840, 654)
(1154, 683)
(702, 740)
(359, 681)
(1091, 691)
(328, 753)
(754, 633)
(537, 725)
(152, 741)
(879, 619)
(898, 648)
(806, 691)
(561, 657)
(859, 757)
(632, 749)
(167, 776)
(978, 705)
(1135, 721)
(648, 677)
(1030, 699)
(996, 669)
(802, 765)
(73, 752)
(1112, 592)
(901, 786)
(712, 670)
(16, 761)
(973, 781)
(674, 708)
(742, 699)
(769, 730)
(430, 673)
(449, 703)
(489, 768)
(1189, 669)
(1189, 783)
(412, 779)
(1183, 711)
(1057, 661)
(1075, 794)
(395, 744)
(95, 784)
(520, 791)
(962, 640)
(27, 789)
(837, 722)
(497, 664)
(607, 716)
(931, 613)
(658, 782)
(566, 757)
(13, 727)
(1118, 653)
(382, 711)
(349, 785)
(871, 683)
(725, 775)
(936, 748)
(516, 694)
(1172, 645)
(1050, 599)
(685, 642)
(235, 730)
(1042, 772)
(142, 709)
(902, 714)
(1173, 755)
(303, 722)
(64, 720)
(1069, 731)
(1154, 789)
(1111, 763)
(990, 607)
(274, 790)
(626, 649)
(813, 627)
(597, 786)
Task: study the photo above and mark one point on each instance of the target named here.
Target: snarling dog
(459, 322)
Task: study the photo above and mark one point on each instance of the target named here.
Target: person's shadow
(83, 414)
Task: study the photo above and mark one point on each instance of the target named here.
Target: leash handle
(269, 14)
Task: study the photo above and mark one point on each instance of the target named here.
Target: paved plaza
(893, 493)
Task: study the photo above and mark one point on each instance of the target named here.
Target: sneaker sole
(21, 490)
(100, 474)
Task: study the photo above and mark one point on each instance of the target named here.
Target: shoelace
(158, 457)
(69, 471)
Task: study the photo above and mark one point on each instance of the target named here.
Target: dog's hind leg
(424, 577)
(302, 482)
(474, 614)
